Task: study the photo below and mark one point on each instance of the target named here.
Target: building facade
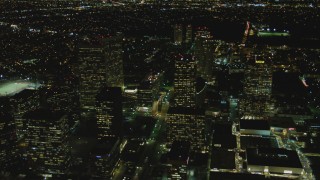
(256, 100)
(109, 112)
(184, 81)
(47, 148)
(187, 124)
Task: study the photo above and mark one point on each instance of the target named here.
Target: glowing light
(303, 80)
(287, 172)
(259, 61)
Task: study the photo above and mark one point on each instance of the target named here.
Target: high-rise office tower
(184, 81)
(257, 88)
(92, 69)
(109, 112)
(258, 78)
(184, 121)
(204, 47)
(189, 34)
(100, 64)
(47, 148)
(114, 60)
(178, 34)
(187, 124)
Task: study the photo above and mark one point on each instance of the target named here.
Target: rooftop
(273, 157)
(104, 147)
(283, 122)
(179, 151)
(43, 114)
(233, 176)
(258, 142)
(254, 124)
(222, 159)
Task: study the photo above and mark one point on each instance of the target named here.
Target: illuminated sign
(259, 61)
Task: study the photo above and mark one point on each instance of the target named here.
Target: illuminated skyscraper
(47, 148)
(109, 112)
(100, 64)
(258, 78)
(178, 34)
(184, 81)
(186, 124)
(257, 88)
(189, 34)
(114, 61)
(184, 121)
(92, 67)
(204, 47)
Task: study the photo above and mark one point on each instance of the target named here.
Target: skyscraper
(189, 34)
(257, 88)
(47, 149)
(178, 34)
(92, 68)
(114, 61)
(186, 124)
(184, 121)
(258, 78)
(204, 47)
(184, 81)
(100, 64)
(109, 112)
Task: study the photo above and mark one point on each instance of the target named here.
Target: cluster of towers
(45, 131)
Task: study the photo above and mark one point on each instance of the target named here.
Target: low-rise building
(273, 160)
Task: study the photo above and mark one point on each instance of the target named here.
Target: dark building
(104, 157)
(273, 160)
(8, 141)
(109, 112)
(222, 159)
(60, 98)
(255, 127)
(178, 157)
(223, 137)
